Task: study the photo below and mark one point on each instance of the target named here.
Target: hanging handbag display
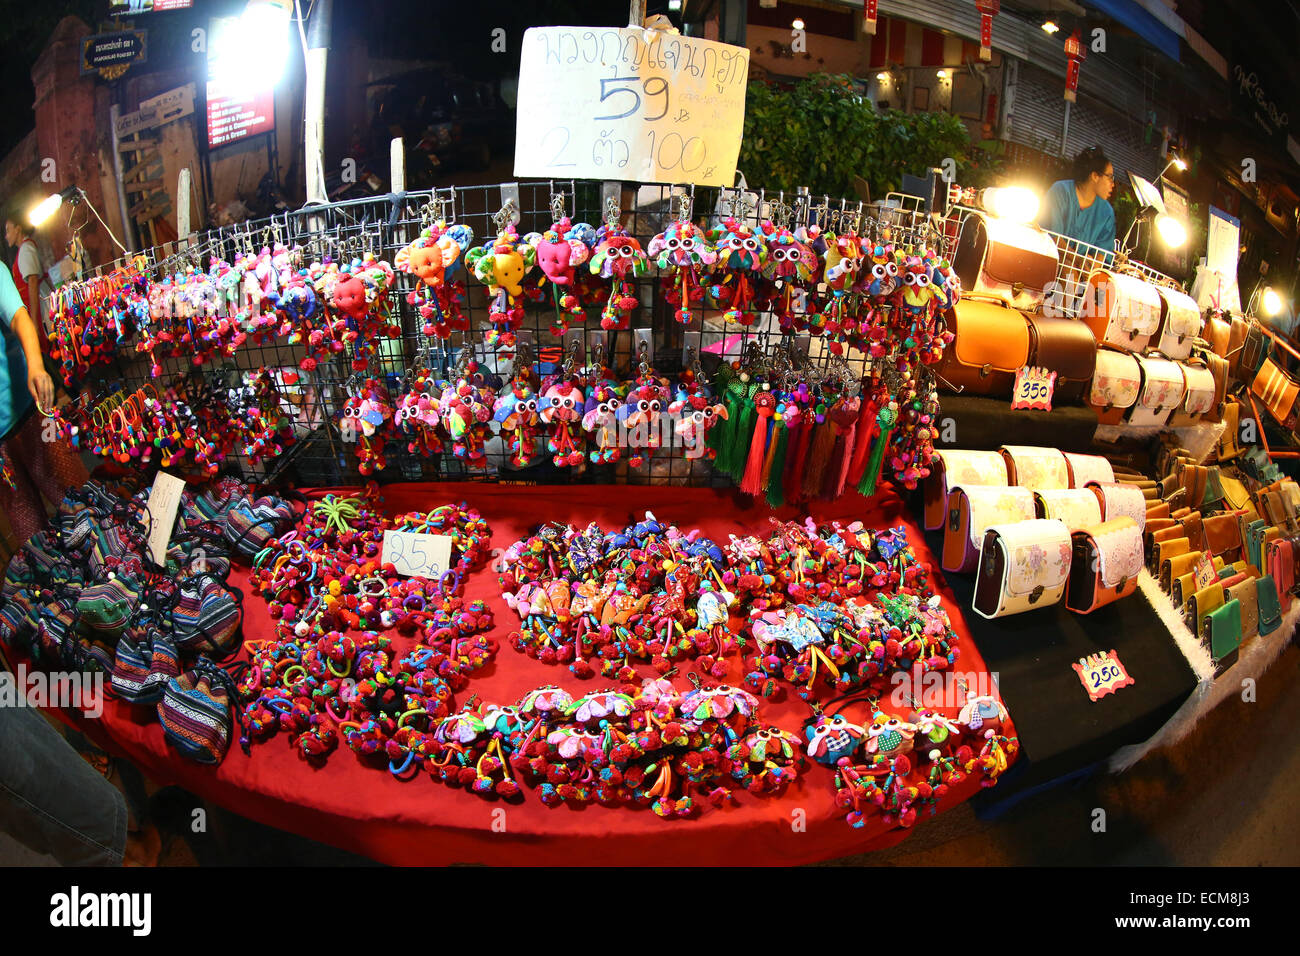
(1162, 391)
(952, 467)
(1123, 311)
(1015, 262)
(1115, 385)
(1180, 323)
(1198, 396)
(1037, 468)
(1106, 565)
(1066, 347)
(992, 342)
(1278, 391)
(973, 510)
(1022, 567)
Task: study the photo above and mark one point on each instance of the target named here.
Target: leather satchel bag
(1107, 562)
(1022, 566)
(1162, 391)
(1035, 467)
(1066, 347)
(1278, 391)
(973, 510)
(1088, 468)
(1223, 536)
(991, 343)
(1077, 507)
(956, 466)
(1257, 347)
(1115, 385)
(1180, 323)
(1217, 333)
(1123, 311)
(1015, 262)
(1238, 330)
(1199, 394)
(1119, 501)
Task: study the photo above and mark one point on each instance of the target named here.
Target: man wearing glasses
(1078, 207)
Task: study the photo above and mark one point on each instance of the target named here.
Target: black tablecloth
(985, 424)
(1061, 730)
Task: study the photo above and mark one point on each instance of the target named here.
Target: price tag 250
(416, 554)
(1102, 674)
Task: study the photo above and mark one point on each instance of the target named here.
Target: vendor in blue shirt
(1078, 207)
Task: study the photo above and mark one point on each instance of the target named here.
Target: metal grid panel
(383, 225)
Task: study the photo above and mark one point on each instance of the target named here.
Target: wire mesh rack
(1066, 297)
(321, 455)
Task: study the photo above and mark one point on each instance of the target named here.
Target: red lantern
(988, 10)
(1076, 53)
(869, 17)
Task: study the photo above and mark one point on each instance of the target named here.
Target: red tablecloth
(369, 812)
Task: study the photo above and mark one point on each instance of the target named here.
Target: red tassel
(795, 462)
(834, 468)
(862, 448)
(751, 482)
(850, 453)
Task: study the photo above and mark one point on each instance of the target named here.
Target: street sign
(131, 123)
(111, 54)
(171, 105)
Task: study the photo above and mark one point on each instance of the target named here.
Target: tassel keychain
(765, 408)
(844, 416)
(819, 451)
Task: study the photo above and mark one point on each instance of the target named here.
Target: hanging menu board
(638, 105)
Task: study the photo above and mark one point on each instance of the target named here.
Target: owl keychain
(618, 258)
(683, 255)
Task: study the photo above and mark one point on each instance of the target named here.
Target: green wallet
(1221, 629)
(1270, 609)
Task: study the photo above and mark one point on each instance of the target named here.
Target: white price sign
(629, 104)
(417, 554)
(160, 514)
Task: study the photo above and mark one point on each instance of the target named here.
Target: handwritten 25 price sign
(628, 104)
(417, 554)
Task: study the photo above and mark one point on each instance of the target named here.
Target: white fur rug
(1254, 658)
(1200, 440)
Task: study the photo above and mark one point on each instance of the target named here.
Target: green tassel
(775, 487)
(742, 435)
(885, 418)
(720, 435)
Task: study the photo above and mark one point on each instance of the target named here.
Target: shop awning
(1140, 21)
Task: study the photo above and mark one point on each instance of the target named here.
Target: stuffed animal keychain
(791, 267)
(697, 411)
(418, 412)
(560, 251)
(618, 258)
(841, 316)
(561, 408)
(742, 256)
(466, 407)
(501, 265)
(683, 254)
(435, 259)
(517, 413)
(367, 419)
(639, 415)
(600, 414)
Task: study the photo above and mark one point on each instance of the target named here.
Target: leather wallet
(1223, 535)
(952, 467)
(1158, 510)
(1022, 566)
(1270, 610)
(1202, 602)
(1229, 439)
(1221, 633)
(1246, 592)
(974, 509)
(1106, 564)
(1177, 565)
